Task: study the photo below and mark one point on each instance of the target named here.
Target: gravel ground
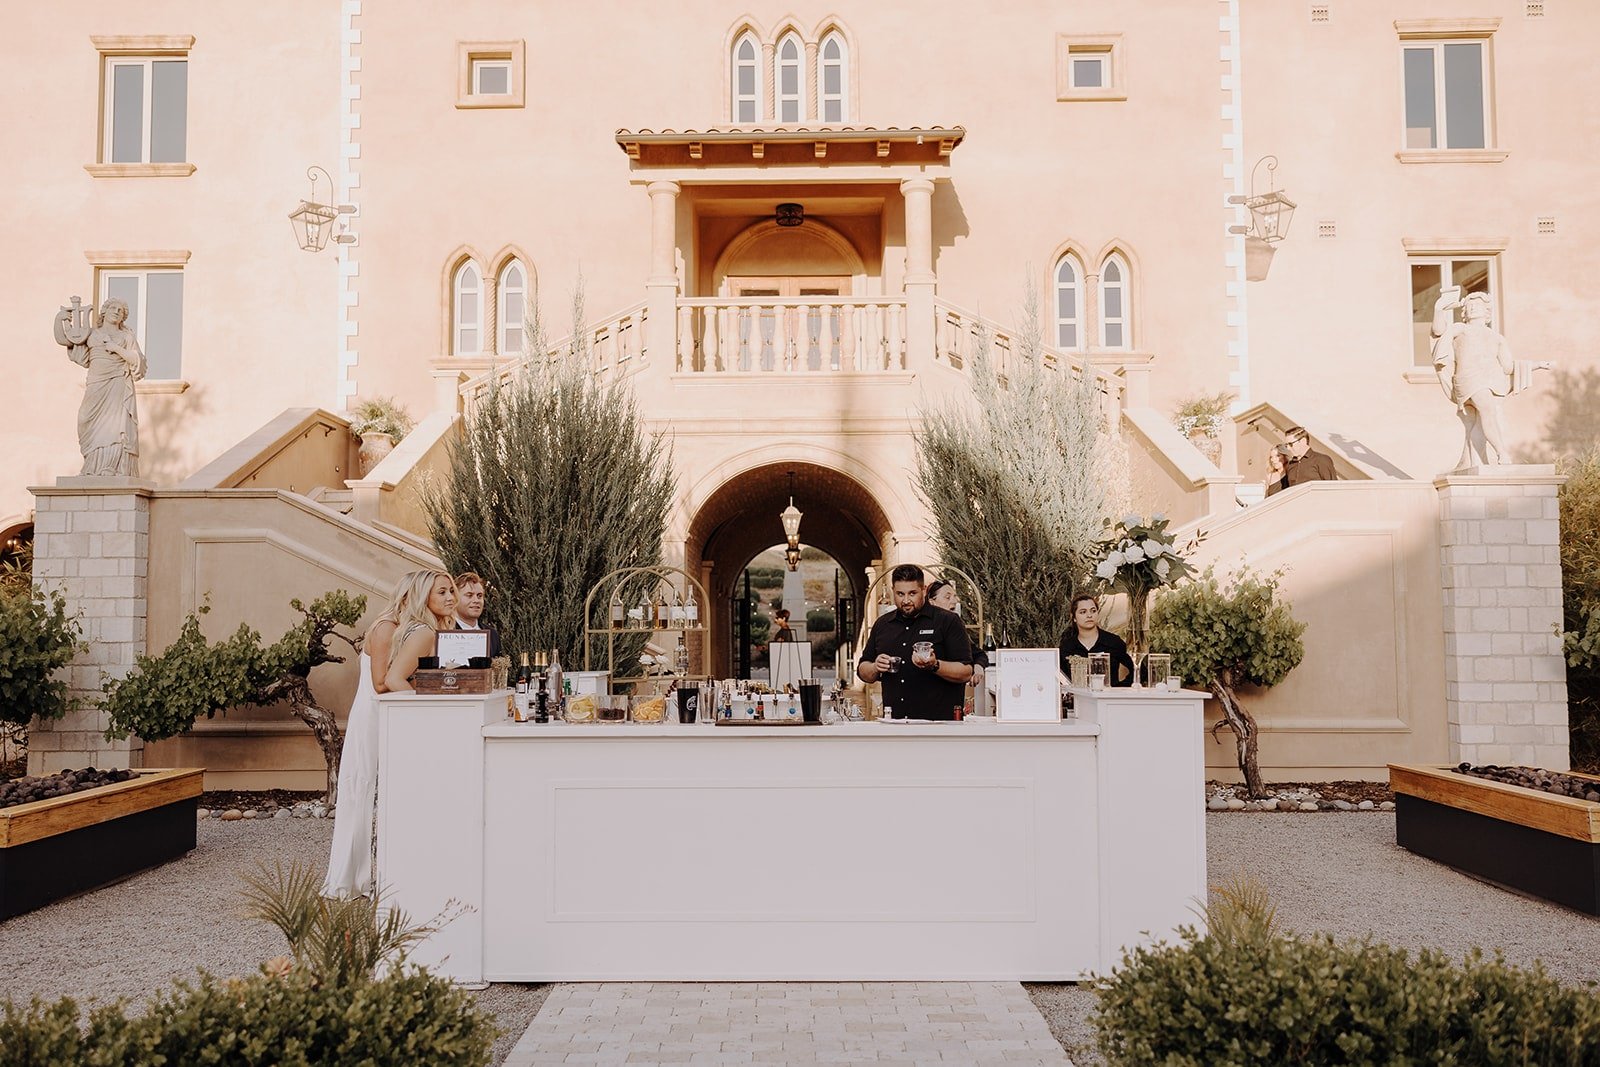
(1336, 873)
(141, 934)
(1342, 874)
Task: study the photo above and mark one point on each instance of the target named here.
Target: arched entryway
(740, 519)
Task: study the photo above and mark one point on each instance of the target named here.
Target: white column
(920, 280)
(1500, 564)
(92, 545)
(661, 288)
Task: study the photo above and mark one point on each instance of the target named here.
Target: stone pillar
(1505, 676)
(661, 287)
(918, 193)
(92, 544)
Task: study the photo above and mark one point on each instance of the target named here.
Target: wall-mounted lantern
(790, 518)
(313, 220)
(1270, 214)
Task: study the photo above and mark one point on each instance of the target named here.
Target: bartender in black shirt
(933, 690)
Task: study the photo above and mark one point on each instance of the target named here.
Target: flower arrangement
(1137, 557)
(381, 414)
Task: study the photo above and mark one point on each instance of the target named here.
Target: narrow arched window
(746, 86)
(833, 78)
(512, 303)
(467, 314)
(790, 78)
(1068, 314)
(1114, 303)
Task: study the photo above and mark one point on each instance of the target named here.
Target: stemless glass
(1080, 671)
(1157, 668)
(1099, 670)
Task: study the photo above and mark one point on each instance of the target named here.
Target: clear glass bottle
(691, 611)
(618, 616)
(680, 658)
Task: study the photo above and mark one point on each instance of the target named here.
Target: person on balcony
(1085, 636)
(1301, 462)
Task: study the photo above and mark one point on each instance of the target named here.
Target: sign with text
(457, 647)
(1029, 687)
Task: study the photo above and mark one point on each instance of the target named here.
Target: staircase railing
(615, 347)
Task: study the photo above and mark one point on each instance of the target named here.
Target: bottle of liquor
(675, 612)
(646, 611)
(541, 701)
(680, 657)
(988, 640)
(557, 683)
(618, 617)
(659, 613)
(519, 701)
(691, 611)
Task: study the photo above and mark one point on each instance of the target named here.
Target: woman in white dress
(431, 607)
(350, 858)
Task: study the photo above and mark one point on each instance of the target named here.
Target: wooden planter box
(1534, 842)
(55, 848)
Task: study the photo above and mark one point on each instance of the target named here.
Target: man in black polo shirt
(933, 690)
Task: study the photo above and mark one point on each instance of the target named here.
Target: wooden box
(460, 680)
(1530, 841)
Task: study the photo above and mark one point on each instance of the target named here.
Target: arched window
(790, 78)
(746, 86)
(833, 78)
(1068, 311)
(467, 314)
(1114, 303)
(512, 303)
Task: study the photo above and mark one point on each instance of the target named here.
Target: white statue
(1475, 368)
(108, 420)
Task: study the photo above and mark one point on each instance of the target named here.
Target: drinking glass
(1080, 671)
(1157, 668)
(1099, 670)
(922, 653)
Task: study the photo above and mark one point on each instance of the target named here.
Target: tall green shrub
(1227, 634)
(1580, 602)
(553, 483)
(37, 639)
(1017, 480)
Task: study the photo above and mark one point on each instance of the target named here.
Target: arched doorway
(740, 519)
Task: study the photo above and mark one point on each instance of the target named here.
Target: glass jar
(1157, 669)
(1099, 670)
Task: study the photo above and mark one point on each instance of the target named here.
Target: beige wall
(258, 312)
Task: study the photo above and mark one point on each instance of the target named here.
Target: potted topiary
(381, 423)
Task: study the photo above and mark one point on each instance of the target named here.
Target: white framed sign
(456, 647)
(1029, 686)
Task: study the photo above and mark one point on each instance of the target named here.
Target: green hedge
(819, 620)
(1258, 999)
(409, 1017)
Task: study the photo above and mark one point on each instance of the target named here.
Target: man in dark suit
(1302, 463)
(472, 595)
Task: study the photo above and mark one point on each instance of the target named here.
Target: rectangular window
(1090, 67)
(491, 77)
(1089, 71)
(1446, 102)
(1429, 277)
(155, 315)
(146, 110)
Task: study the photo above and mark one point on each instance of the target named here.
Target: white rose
(1133, 554)
(1115, 559)
(1162, 569)
(1153, 548)
(1131, 519)
(1106, 570)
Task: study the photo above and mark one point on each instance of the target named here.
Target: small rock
(216, 813)
(1387, 805)
(1344, 805)
(1217, 804)
(250, 813)
(1307, 805)
(1365, 805)
(319, 811)
(1591, 795)
(232, 815)
(1235, 804)
(281, 813)
(1270, 804)
(202, 813)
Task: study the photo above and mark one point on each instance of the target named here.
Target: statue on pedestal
(108, 419)
(1475, 369)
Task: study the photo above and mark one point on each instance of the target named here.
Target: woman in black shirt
(1085, 636)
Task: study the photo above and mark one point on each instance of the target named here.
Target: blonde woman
(350, 857)
(430, 607)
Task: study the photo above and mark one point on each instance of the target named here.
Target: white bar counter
(978, 850)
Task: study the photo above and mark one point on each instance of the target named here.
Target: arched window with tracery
(833, 78)
(466, 317)
(1068, 306)
(1115, 306)
(790, 78)
(746, 87)
(512, 302)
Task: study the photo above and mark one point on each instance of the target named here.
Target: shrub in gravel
(266, 1020)
(1245, 995)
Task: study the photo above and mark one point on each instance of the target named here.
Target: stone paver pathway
(789, 1022)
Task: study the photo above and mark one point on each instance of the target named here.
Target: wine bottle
(519, 701)
(557, 683)
(618, 617)
(542, 699)
(660, 612)
(988, 639)
(691, 611)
